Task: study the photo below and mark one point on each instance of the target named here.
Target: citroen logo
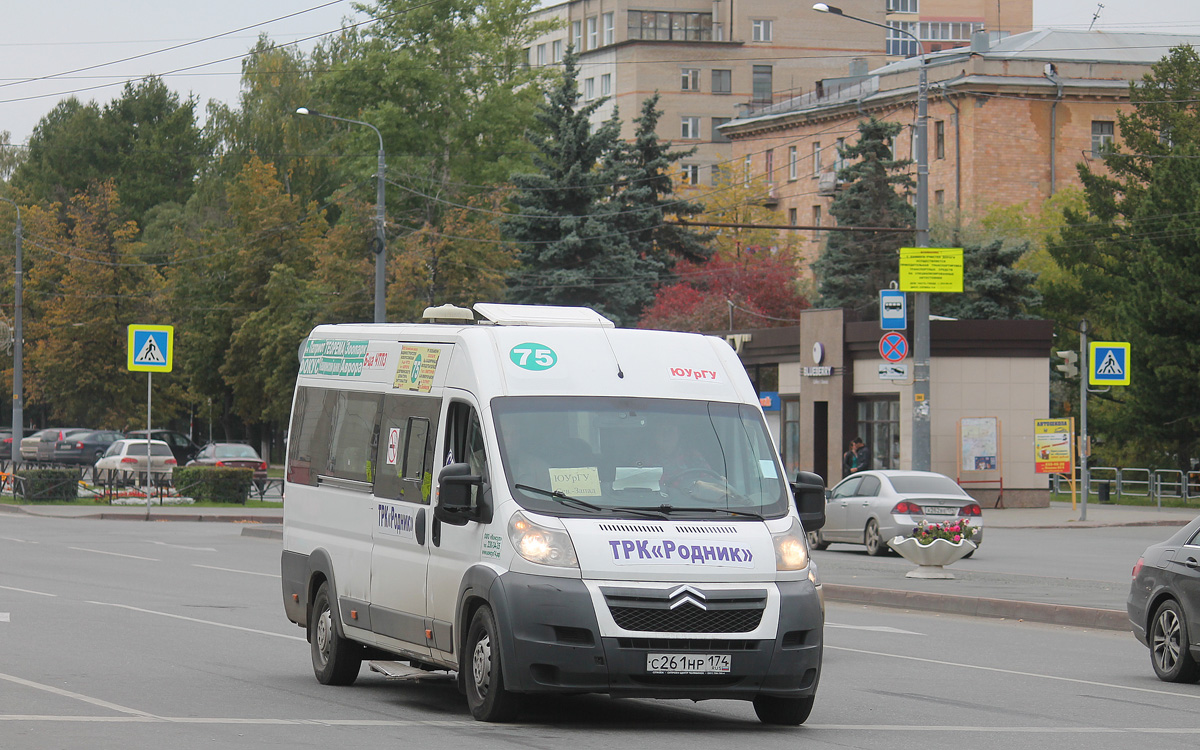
(687, 594)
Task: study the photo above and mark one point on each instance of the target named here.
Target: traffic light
(1069, 367)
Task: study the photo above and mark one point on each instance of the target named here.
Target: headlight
(791, 548)
(539, 544)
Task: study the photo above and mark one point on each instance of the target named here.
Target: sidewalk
(849, 578)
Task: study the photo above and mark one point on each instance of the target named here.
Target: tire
(1169, 647)
(816, 541)
(783, 711)
(486, 695)
(876, 544)
(336, 660)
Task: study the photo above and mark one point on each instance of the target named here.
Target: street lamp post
(18, 398)
(920, 420)
(380, 241)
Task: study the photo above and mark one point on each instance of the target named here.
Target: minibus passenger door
(406, 460)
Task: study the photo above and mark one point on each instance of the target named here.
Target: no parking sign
(893, 347)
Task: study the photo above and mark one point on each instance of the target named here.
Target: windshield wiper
(561, 497)
(678, 509)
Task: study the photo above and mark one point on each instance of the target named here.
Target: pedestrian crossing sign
(151, 348)
(1108, 363)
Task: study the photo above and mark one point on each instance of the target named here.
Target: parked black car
(234, 456)
(182, 447)
(1164, 604)
(50, 439)
(84, 447)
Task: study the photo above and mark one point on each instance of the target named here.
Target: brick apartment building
(714, 60)
(1008, 121)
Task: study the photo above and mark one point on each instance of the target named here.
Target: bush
(213, 484)
(48, 485)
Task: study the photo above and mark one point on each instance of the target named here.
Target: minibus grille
(685, 609)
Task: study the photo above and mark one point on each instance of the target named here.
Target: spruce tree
(573, 249)
(993, 287)
(854, 266)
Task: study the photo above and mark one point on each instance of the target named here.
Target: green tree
(1137, 275)
(993, 287)
(854, 266)
(65, 154)
(572, 251)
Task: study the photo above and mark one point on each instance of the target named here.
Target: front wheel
(336, 660)
(876, 544)
(784, 711)
(486, 695)
(1169, 648)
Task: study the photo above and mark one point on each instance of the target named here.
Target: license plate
(939, 510)
(687, 663)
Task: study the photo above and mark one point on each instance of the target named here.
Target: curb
(1054, 614)
(1178, 523)
(152, 516)
(263, 532)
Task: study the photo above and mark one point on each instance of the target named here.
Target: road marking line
(202, 622)
(26, 591)
(233, 570)
(13, 539)
(1017, 673)
(78, 696)
(4, 617)
(151, 719)
(873, 628)
(184, 546)
(115, 554)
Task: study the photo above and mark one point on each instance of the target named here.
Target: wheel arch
(320, 570)
(1155, 601)
(481, 586)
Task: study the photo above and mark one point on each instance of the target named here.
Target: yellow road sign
(931, 269)
(151, 348)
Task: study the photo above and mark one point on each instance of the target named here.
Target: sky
(45, 45)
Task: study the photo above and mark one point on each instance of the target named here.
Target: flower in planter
(953, 531)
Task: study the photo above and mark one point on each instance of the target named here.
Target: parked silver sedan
(871, 507)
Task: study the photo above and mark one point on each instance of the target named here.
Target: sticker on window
(582, 481)
(767, 467)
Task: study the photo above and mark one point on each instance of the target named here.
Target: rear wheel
(876, 544)
(486, 694)
(1169, 648)
(785, 711)
(336, 660)
(816, 541)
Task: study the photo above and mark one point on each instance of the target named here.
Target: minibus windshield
(639, 458)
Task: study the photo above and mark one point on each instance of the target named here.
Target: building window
(690, 79)
(541, 55)
(589, 89)
(718, 175)
(939, 197)
(746, 167)
(762, 84)
(816, 221)
(816, 159)
(793, 163)
(610, 29)
(946, 31)
(791, 436)
(898, 43)
(675, 27)
(556, 51)
(839, 161)
(691, 174)
(903, 6)
(770, 165)
(577, 35)
(793, 216)
(878, 425)
(939, 139)
(689, 127)
(606, 84)
(593, 38)
(722, 81)
(1102, 137)
(760, 30)
(717, 135)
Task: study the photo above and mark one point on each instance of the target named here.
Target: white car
(126, 459)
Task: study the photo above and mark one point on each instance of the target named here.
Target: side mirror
(809, 493)
(454, 498)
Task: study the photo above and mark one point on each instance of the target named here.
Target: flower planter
(930, 557)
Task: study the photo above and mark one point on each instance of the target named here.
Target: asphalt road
(119, 634)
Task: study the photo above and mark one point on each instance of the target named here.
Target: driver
(682, 463)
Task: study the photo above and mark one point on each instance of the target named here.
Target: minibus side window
(465, 443)
(404, 456)
(308, 438)
(352, 444)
